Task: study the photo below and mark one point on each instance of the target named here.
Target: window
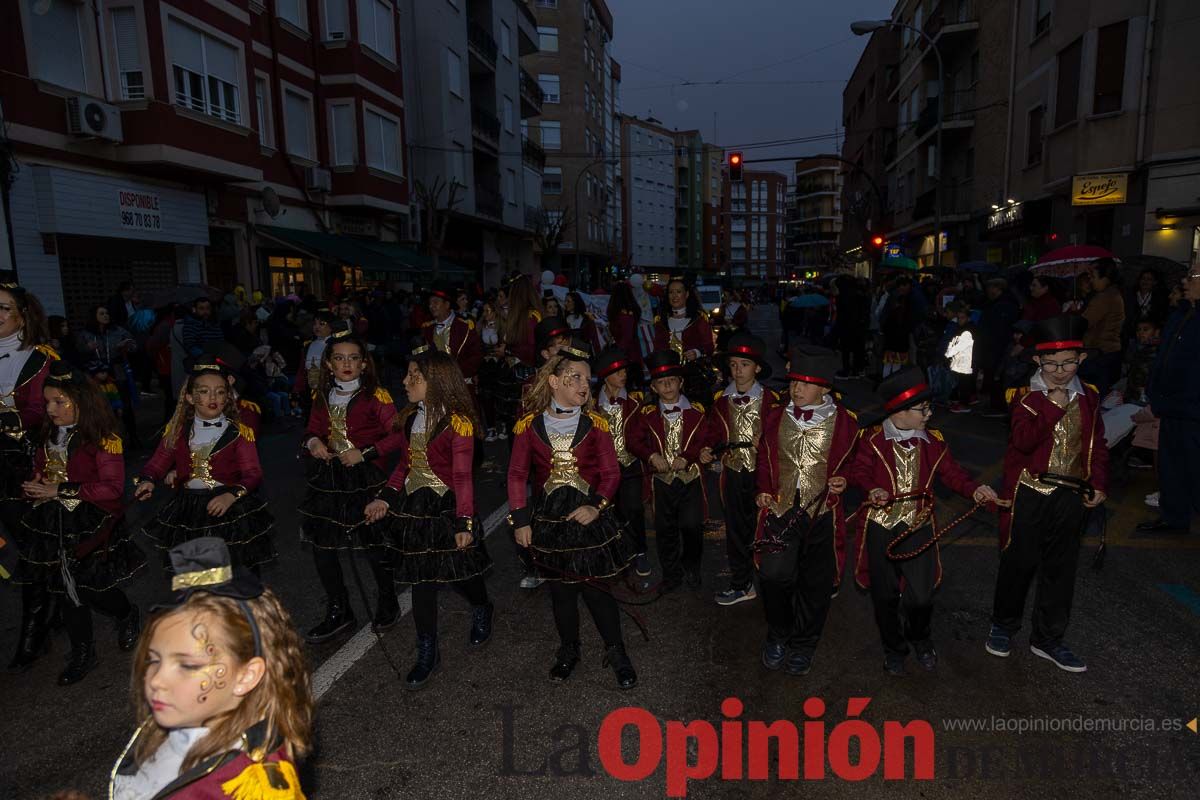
(266, 122)
(129, 60)
(552, 181)
(510, 187)
(551, 135)
(375, 27)
(547, 39)
(297, 123)
(58, 46)
(1041, 16)
(382, 135)
(1110, 67)
(1067, 105)
(508, 114)
(341, 134)
(550, 88)
(1033, 135)
(547, 3)
(337, 21)
(454, 73)
(505, 40)
(205, 71)
(292, 11)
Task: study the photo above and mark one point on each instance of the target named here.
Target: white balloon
(547, 278)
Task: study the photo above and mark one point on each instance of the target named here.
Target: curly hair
(369, 378)
(446, 395)
(94, 420)
(538, 398)
(185, 412)
(283, 698)
(35, 329)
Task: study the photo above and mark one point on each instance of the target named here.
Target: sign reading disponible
(1098, 190)
(139, 210)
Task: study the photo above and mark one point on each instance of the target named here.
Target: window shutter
(125, 34)
(187, 47)
(222, 61)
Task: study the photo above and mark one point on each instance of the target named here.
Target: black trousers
(1044, 544)
(631, 504)
(111, 602)
(678, 526)
(902, 618)
(795, 586)
(853, 343)
(425, 601)
(1179, 470)
(741, 514)
(329, 570)
(564, 599)
(964, 386)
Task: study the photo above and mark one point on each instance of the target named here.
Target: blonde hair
(283, 698)
(539, 395)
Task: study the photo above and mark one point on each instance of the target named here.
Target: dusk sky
(782, 63)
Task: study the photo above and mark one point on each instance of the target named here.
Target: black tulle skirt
(566, 551)
(420, 531)
(333, 508)
(246, 527)
(86, 546)
(16, 467)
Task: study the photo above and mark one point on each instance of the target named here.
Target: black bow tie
(6, 355)
(558, 410)
(216, 424)
(741, 400)
(800, 413)
(672, 410)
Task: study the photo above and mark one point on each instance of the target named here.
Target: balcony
(531, 95)
(481, 45)
(486, 127)
(951, 17)
(488, 201)
(960, 113)
(532, 154)
(681, 200)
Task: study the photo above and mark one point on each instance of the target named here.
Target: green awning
(420, 263)
(396, 260)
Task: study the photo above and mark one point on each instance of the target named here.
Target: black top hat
(663, 364)
(204, 565)
(63, 372)
(576, 350)
(208, 365)
(548, 328)
(609, 360)
(904, 389)
(444, 291)
(743, 344)
(1064, 332)
(810, 364)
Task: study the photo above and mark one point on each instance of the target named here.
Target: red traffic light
(735, 159)
(877, 241)
(735, 167)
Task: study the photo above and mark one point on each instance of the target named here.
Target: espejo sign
(139, 210)
(1097, 190)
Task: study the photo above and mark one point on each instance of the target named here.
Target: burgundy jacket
(698, 335)
(450, 453)
(595, 457)
(646, 434)
(29, 402)
(526, 349)
(234, 459)
(874, 466)
(369, 423)
(465, 345)
(1034, 416)
(623, 328)
(718, 422)
(95, 473)
(839, 459)
(739, 318)
(250, 415)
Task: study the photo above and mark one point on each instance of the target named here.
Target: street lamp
(865, 26)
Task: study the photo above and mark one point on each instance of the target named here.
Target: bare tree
(437, 214)
(549, 229)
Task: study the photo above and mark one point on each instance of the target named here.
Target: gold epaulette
(657, 318)
(698, 407)
(649, 409)
(1091, 386)
(637, 397)
(717, 396)
(462, 425)
(383, 395)
(523, 424)
(1011, 394)
(935, 433)
(265, 780)
(48, 352)
(470, 324)
(536, 315)
(250, 405)
(246, 431)
(853, 416)
(112, 445)
(599, 421)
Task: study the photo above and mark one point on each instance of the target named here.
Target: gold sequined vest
(803, 463)
(1066, 453)
(745, 425)
(907, 476)
(563, 470)
(339, 436)
(420, 474)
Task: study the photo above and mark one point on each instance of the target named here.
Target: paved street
(490, 725)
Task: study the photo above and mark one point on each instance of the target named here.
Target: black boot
(565, 662)
(481, 624)
(128, 629)
(339, 617)
(388, 612)
(428, 661)
(80, 662)
(33, 640)
(622, 667)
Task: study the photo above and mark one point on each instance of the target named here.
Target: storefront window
(287, 275)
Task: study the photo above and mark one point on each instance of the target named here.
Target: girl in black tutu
(569, 528)
(351, 425)
(74, 542)
(216, 473)
(430, 504)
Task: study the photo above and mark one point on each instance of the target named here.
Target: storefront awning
(397, 261)
(408, 259)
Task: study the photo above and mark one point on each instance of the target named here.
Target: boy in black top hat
(895, 464)
(1055, 469)
(734, 424)
(668, 436)
(619, 406)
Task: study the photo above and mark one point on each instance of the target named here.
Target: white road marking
(340, 662)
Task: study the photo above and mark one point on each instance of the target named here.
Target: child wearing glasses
(1057, 435)
(895, 464)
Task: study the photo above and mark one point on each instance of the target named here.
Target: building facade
(755, 210)
(648, 167)
(689, 200)
(814, 217)
(211, 143)
(712, 193)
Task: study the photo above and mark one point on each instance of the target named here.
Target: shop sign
(139, 210)
(356, 226)
(1006, 217)
(1099, 190)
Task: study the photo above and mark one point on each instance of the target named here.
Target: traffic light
(874, 244)
(735, 166)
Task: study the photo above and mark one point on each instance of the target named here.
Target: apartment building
(614, 178)
(689, 200)
(755, 210)
(469, 102)
(712, 192)
(814, 216)
(648, 165)
(204, 142)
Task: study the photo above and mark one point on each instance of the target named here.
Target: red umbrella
(1069, 261)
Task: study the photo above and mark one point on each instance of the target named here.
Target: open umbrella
(809, 301)
(1069, 261)
(899, 262)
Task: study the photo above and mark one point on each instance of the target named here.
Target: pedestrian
(200, 332)
(994, 334)
(896, 326)
(1147, 300)
(209, 458)
(428, 506)
(223, 697)
(1140, 360)
(668, 436)
(850, 327)
(110, 345)
(895, 464)
(494, 374)
(451, 333)
(308, 376)
(350, 428)
(73, 542)
(1043, 303)
(1105, 314)
(524, 313)
(624, 318)
(244, 336)
(800, 477)
(580, 320)
(1055, 470)
(682, 326)
(733, 426)
(576, 540)
(960, 355)
(619, 406)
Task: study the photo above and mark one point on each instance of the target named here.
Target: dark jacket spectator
(200, 332)
(1148, 300)
(1042, 303)
(1175, 379)
(996, 320)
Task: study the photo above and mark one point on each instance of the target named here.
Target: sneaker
(731, 596)
(959, 408)
(773, 655)
(1062, 657)
(927, 658)
(501, 434)
(798, 664)
(1152, 500)
(894, 665)
(531, 582)
(641, 565)
(998, 643)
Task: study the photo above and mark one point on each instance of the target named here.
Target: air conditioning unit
(317, 179)
(87, 116)
(337, 36)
